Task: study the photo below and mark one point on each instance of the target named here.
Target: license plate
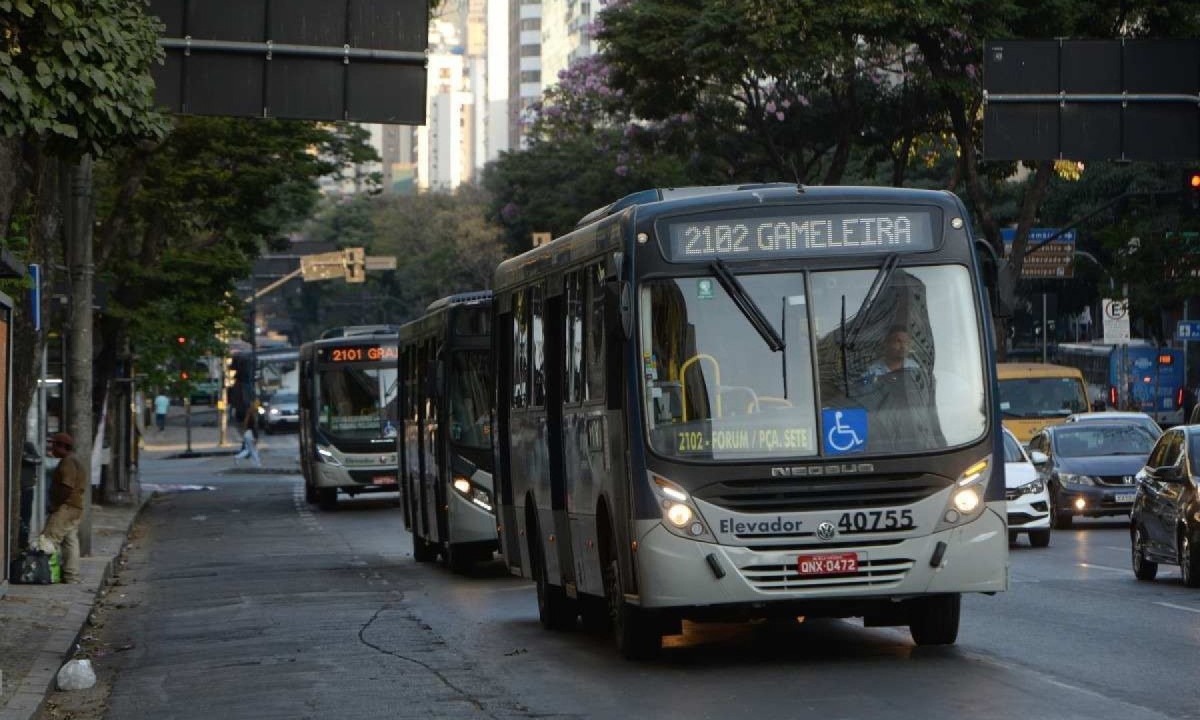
(1124, 497)
(383, 480)
(831, 564)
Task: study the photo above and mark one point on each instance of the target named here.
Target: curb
(39, 682)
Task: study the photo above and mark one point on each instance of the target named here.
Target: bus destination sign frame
(802, 234)
(365, 353)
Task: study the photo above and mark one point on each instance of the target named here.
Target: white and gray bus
(753, 401)
(445, 426)
(348, 414)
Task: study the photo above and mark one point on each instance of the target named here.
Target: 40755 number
(874, 521)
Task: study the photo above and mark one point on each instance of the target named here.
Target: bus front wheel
(327, 498)
(423, 551)
(934, 620)
(635, 629)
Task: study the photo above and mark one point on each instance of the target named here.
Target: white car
(1028, 499)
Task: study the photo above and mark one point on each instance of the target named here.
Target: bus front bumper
(677, 572)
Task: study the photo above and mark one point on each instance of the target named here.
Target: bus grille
(801, 494)
(786, 578)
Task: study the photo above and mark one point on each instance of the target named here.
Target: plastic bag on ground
(44, 544)
(76, 675)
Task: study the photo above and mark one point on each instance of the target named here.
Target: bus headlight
(328, 457)
(472, 492)
(966, 497)
(680, 516)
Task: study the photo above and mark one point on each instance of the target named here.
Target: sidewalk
(41, 624)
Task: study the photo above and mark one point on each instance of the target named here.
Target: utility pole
(78, 231)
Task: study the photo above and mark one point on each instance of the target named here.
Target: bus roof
(464, 298)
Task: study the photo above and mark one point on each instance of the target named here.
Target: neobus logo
(811, 470)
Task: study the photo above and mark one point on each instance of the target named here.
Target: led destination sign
(870, 231)
(358, 353)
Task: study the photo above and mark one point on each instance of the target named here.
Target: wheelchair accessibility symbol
(845, 430)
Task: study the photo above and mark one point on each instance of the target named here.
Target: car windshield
(1093, 440)
(1041, 397)
(903, 374)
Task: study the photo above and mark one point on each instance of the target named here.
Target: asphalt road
(243, 602)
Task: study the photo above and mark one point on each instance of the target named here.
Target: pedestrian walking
(67, 485)
(161, 404)
(250, 437)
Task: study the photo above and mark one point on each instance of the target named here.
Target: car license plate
(830, 564)
(1124, 497)
(383, 480)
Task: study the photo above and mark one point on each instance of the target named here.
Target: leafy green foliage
(77, 74)
(441, 242)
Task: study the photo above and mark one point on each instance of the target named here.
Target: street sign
(1052, 260)
(1116, 320)
(1187, 330)
(1091, 99)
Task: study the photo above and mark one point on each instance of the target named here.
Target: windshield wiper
(745, 303)
(877, 285)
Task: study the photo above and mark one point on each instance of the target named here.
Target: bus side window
(595, 332)
(573, 338)
(520, 350)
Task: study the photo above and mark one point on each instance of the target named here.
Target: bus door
(559, 561)
(502, 343)
(432, 493)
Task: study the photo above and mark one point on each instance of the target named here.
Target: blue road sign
(1187, 330)
(35, 294)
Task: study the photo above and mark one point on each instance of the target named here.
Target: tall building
(524, 64)
(496, 119)
(566, 35)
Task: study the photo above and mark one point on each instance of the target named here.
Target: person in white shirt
(161, 404)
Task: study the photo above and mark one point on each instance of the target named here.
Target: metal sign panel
(358, 60)
(1091, 100)
(1055, 259)
(1188, 330)
(1116, 320)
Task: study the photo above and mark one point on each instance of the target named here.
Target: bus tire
(459, 559)
(327, 498)
(635, 629)
(555, 610)
(423, 551)
(934, 620)
(310, 494)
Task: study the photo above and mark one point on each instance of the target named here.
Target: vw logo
(826, 531)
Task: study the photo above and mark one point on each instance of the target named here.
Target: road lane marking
(1178, 607)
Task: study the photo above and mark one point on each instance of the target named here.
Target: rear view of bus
(797, 415)
(446, 431)
(348, 417)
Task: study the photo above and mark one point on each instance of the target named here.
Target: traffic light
(1191, 191)
(182, 340)
(183, 374)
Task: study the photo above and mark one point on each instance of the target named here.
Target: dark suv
(1164, 526)
(1090, 467)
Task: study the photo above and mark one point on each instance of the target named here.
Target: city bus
(1133, 376)
(445, 431)
(702, 412)
(348, 422)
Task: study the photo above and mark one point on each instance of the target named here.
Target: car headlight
(273, 411)
(473, 492)
(679, 514)
(1031, 488)
(1073, 479)
(966, 496)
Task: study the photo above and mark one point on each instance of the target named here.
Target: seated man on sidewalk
(67, 486)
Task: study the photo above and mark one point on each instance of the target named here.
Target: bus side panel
(559, 559)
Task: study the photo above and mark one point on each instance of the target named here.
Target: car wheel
(1189, 559)
(327, 498)
(1143, 569)
(1039, 538)
(934, 620)
(1012, 537)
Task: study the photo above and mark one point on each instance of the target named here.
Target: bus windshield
(470, 399)
(901, 373)
(357, 402)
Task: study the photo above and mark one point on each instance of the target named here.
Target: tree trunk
(79, 253)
